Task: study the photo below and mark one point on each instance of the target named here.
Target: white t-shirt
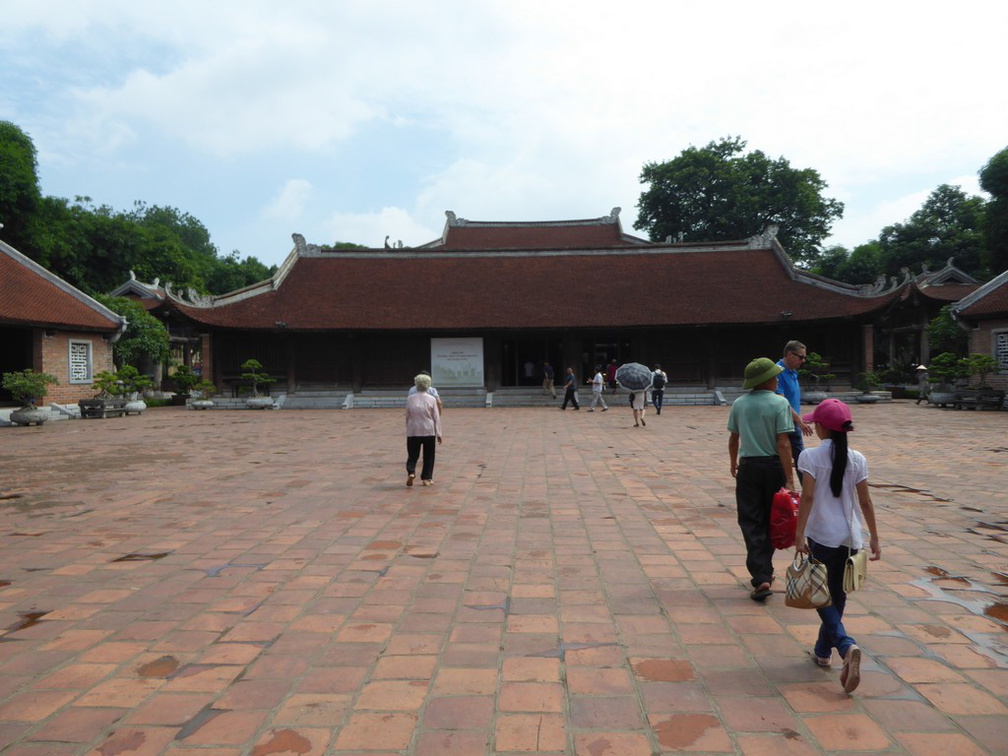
(834, 521)
(432, 391)
(598, 381)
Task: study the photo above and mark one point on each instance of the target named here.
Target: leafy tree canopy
(717, 193)
(948, 224)
(145, 336)
(19, 185)
(994, 181)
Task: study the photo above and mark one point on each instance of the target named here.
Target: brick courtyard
(264, 583)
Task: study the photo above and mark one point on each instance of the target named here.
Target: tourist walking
(423, 429)
(638, 402)
(759, 453)
(570, 390)
(794, 357)
(834, 480)
(548, 387)
(597, 383)
(658, 381)
(923, 385)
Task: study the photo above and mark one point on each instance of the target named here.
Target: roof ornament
(873, 288)
(613, 216)
(764, 239)
(132, 275)
(303, 248)
(198, 299)
(387, 245)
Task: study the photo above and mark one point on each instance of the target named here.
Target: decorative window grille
(80, 362)
(1001, 350)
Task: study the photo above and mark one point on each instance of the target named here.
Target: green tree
(948, 224)
(19, 187)
(231, 272)
(945, 335)
(994, 181)
(717, 193)
(145, 336)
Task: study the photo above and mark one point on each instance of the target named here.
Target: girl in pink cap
(834, 479)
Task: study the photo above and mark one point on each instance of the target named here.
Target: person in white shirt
(597, 383)
(834, 480)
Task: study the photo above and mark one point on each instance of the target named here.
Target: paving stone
(567, 586)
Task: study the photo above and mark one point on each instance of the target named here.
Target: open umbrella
(633, 376)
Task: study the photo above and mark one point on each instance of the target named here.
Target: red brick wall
(52, 355)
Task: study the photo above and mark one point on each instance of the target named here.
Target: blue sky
(350, 121)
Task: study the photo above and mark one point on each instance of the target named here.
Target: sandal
(761, 592)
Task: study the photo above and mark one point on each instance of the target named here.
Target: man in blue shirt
(794, 357)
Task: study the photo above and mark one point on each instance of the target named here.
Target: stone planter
(813, 397)
(29, 416)
(102, 408)
(866, 398)
(942, 398)
(259, 402)
(135, 405)
(201, 404)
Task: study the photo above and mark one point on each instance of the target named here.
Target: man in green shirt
(759, 449)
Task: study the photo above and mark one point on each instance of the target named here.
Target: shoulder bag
(856, 568)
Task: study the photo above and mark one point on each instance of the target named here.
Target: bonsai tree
(27, 386)
(132, 380)
(867, 382)
(252, 374)
(108, 385)
(947, 368)
(185, 379)
(205, 389)
(980, 365)
(815, 370)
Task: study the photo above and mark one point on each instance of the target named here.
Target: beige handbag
(807, 586)
(856, 568)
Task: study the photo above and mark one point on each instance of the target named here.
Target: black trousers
(570, 397)
(756, 482)
(413, 446)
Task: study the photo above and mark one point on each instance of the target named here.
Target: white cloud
(289, 203)
(370, 229)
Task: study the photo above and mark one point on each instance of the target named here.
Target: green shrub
(27, 386)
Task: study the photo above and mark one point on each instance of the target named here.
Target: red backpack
(784, 519)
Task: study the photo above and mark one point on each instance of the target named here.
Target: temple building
(487, 303)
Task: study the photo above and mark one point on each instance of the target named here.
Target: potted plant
(184, 379)
(202, 395)
(946, 368)
(815, 371)
(252, 374)
(110, 400)
(133, 382)
(980, 366)
(28, 388)
(866, 383)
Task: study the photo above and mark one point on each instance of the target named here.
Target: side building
(52, 327)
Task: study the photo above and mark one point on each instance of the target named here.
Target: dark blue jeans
(656, 398)
(831, 632)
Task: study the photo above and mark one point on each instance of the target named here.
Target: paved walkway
(221, 583)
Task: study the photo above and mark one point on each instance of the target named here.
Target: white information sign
(457, 362)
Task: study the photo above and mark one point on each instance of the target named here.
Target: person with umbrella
(637, 379)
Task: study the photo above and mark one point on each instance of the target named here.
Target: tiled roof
(32, 296)
(729, 283)
(590, 233)
(989, 301)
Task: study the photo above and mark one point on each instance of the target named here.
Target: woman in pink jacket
(423, 426)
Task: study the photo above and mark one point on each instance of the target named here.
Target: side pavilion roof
(30, 295)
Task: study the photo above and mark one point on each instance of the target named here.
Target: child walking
(834, 479)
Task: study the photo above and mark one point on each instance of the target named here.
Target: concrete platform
(264, 583)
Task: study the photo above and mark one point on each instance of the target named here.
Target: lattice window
(1001, 350)
(80, 361)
